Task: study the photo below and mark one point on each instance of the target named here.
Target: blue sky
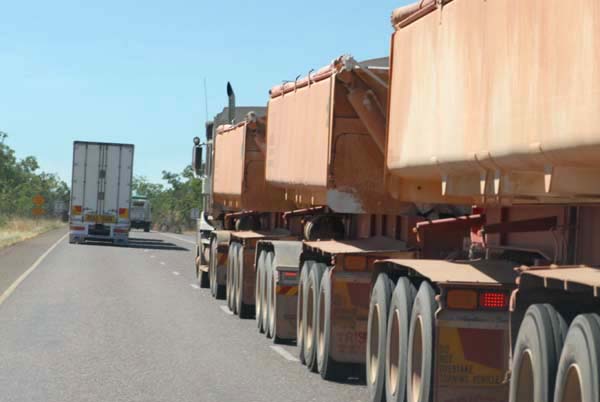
(133, 71)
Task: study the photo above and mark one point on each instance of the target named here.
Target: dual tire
(311, 316)
(260, 268)
(552, 363)
(400, 341)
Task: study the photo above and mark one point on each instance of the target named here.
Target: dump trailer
(212, 237)
(247, 209)
(495, 102)
(101, 192)
(325, 148)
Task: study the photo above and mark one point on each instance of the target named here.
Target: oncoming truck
(100, 192)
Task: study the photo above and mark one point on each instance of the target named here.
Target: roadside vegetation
(171, 203)
(20, 181)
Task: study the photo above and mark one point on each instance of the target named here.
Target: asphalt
(102, 323)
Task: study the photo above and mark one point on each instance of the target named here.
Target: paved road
(103, 323)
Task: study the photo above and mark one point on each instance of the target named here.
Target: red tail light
(76, 210)
(77, 228)
(290, 274)
(493, 300)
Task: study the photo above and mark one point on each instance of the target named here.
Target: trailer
(325, 149)
(141, 214)
(494, 102)
(101, 192)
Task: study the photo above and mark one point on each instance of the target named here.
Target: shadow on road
(136, 242)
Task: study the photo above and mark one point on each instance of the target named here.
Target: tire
(231, 254)
(578, 374)
(258, 289)
(396, 350)
(212, 263)
(244, 310)
(328, 368)
(203, 280)
(310, 305)
(420, 346)
(300, 310)
(269, 296)
(376, 335)
(273, 305)
(147, 227)
(265, 293)
(235, 278)
(536, 353)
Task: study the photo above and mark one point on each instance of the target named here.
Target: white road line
(176, 273)
(162, 263)
(194, 286)
(25, 274)
(152, 256)
(284, 353)
(226, 310)
(178, 238)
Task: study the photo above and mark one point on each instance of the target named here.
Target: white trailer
(141, 214)
(101, 192)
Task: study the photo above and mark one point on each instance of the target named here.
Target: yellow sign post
(38, 201)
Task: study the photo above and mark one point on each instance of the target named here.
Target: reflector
(461, 299)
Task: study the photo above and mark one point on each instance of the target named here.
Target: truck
(485, 136)
(494, 102)
(101, 192)
(141, 214)
(310, 201)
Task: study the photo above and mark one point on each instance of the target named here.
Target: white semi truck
(141, 214)
(101, 192)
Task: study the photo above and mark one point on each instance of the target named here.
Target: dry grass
(15, 230)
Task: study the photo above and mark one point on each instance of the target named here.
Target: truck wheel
(258, 289)
(396, 350)
(310, 305)
(536, 354)
(579, 366)
(328, 368)
(244, 310)
(272, 296)
(212, 274)
(420, 346)
(266, 291)
(300, 310)
(235, 278)
(376, 334)
(203, 279)
(147, 227)
(231, 254)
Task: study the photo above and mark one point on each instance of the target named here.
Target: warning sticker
(470, 357)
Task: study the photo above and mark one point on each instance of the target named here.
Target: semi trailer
(141, 214)
(100, 192)
(489, 104)
(495, 101)
(312, 193)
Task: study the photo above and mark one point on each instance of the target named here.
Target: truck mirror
(197, 164)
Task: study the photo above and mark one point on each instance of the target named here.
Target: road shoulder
(18, 258)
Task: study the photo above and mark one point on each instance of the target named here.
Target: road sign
(194, 213)
(38, 211)
(38, 200)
